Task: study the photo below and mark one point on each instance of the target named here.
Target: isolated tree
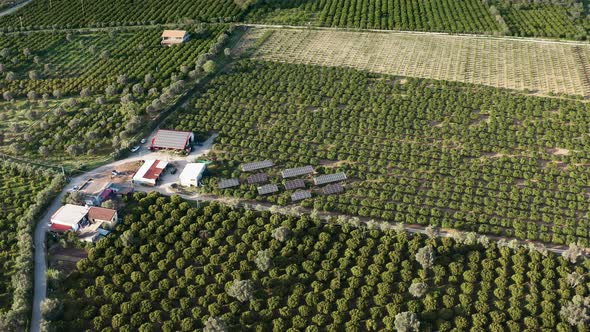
(26, 52)
(37, 60)
(577, 312)
(57, 94)
(280, 233)
(74, 150)
(399, 227)
(574, 279)
(7, 95)
(484, 241)
(92, 49)
(137, 89)
(44, 151)
(51, 308)
(149, 79)
(406, 322)
(105, 55)
(572, 253)
(32, 95)
(10, 76)
(110, 90)
(123, 79)
(425, 256)
(210, 67)
(242, 290)
(431, 232)
(100, 100)
(5, 53)
(418, 289)
(263, 260)
(215, 324)
(85, 93)
(227, 51)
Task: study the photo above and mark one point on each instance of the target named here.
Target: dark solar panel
(257, 178)
(300, 195)
(268, 189)
(257, 165)
(331, 189)
(228, 183)
(328, 178)
(294, 184)
(292, 172)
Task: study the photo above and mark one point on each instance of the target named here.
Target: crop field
(179, 268)
(544, 68)
(18, 191)
(87, 94)
(46, 14)
(415, 151)
(542, 20)
(430, 15)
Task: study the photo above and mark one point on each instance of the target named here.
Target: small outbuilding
(173, 140)
(150, 172)
(192, 174)
(69, 217)
(173, 37)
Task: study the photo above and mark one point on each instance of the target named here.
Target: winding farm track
(15, 8)
(40, 273)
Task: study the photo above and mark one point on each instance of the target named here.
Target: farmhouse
(192, 174)
(102, 216)
(149, 173)
(173, 140)
(172, 37)
(69, 218)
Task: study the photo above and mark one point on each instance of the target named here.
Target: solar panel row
(228, 183)
(268, 189)
(292, 172)
(257, 178)
(294, 184)
(331, 189)
(329, 178)
(257, 165)
(300, 195)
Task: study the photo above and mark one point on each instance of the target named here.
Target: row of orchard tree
(174, 267)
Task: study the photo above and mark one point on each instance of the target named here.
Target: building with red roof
(149, 173)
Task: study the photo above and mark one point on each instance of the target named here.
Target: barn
(149, 173)
(173, 140)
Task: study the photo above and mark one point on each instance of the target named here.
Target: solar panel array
(329, 178)
(257, 165)
(331, 189)
(294, 184)
(300, 195)
(228, 183)
(292, 172)
(268, 189)
(257, 178)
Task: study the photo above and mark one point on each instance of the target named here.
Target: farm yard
(536, 67)
(179, 268)
(69, 95)
(415, 151)
(22, 187)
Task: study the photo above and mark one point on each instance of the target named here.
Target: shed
(172, 37)
(149, 173)
(192, 174)
(69, 217)
(173, 140)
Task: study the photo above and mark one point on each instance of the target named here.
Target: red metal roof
(106, 193)
(60, 228)
(154, 172)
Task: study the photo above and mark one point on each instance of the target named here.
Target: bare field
(542, 67)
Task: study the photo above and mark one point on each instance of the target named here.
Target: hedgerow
(184, 269)
(415, 151)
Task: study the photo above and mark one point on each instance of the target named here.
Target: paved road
(40, 287)
(15, 8)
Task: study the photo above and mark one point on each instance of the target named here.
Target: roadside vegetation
(415, 151)
(77, 97)
(25, 192)
(173, 267)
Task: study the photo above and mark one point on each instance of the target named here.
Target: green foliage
(416, 151)
(325, 275)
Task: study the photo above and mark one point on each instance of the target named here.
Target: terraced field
(539, 67)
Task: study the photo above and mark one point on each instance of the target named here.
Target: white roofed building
(69, 217)
(171, 37)
(149, 173)
(192, 174)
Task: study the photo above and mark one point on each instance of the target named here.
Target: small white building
(149, 173)
(69, 217)
(192, 174)
(171, 37)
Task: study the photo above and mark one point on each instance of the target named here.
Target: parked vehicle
(135, 148)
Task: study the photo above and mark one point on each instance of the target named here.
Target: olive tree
(572, 253)
(577, 311)
(215, 324)
(418, 289)
(280, 234)
(263, 260)
(406, 322)
(242, 290)
(425, 256)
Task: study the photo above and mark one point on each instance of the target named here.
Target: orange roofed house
(172, 37)
(103, 216)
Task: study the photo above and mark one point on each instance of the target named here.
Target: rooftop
(171, 139)
(151, 169)
(99, 213)
(69, 214)
(174, 33)
(192, 170)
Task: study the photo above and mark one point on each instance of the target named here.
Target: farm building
(103, 216)
(69, 218)
(172, 37)
(173, 140)
(149, 173)
(192, 174)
